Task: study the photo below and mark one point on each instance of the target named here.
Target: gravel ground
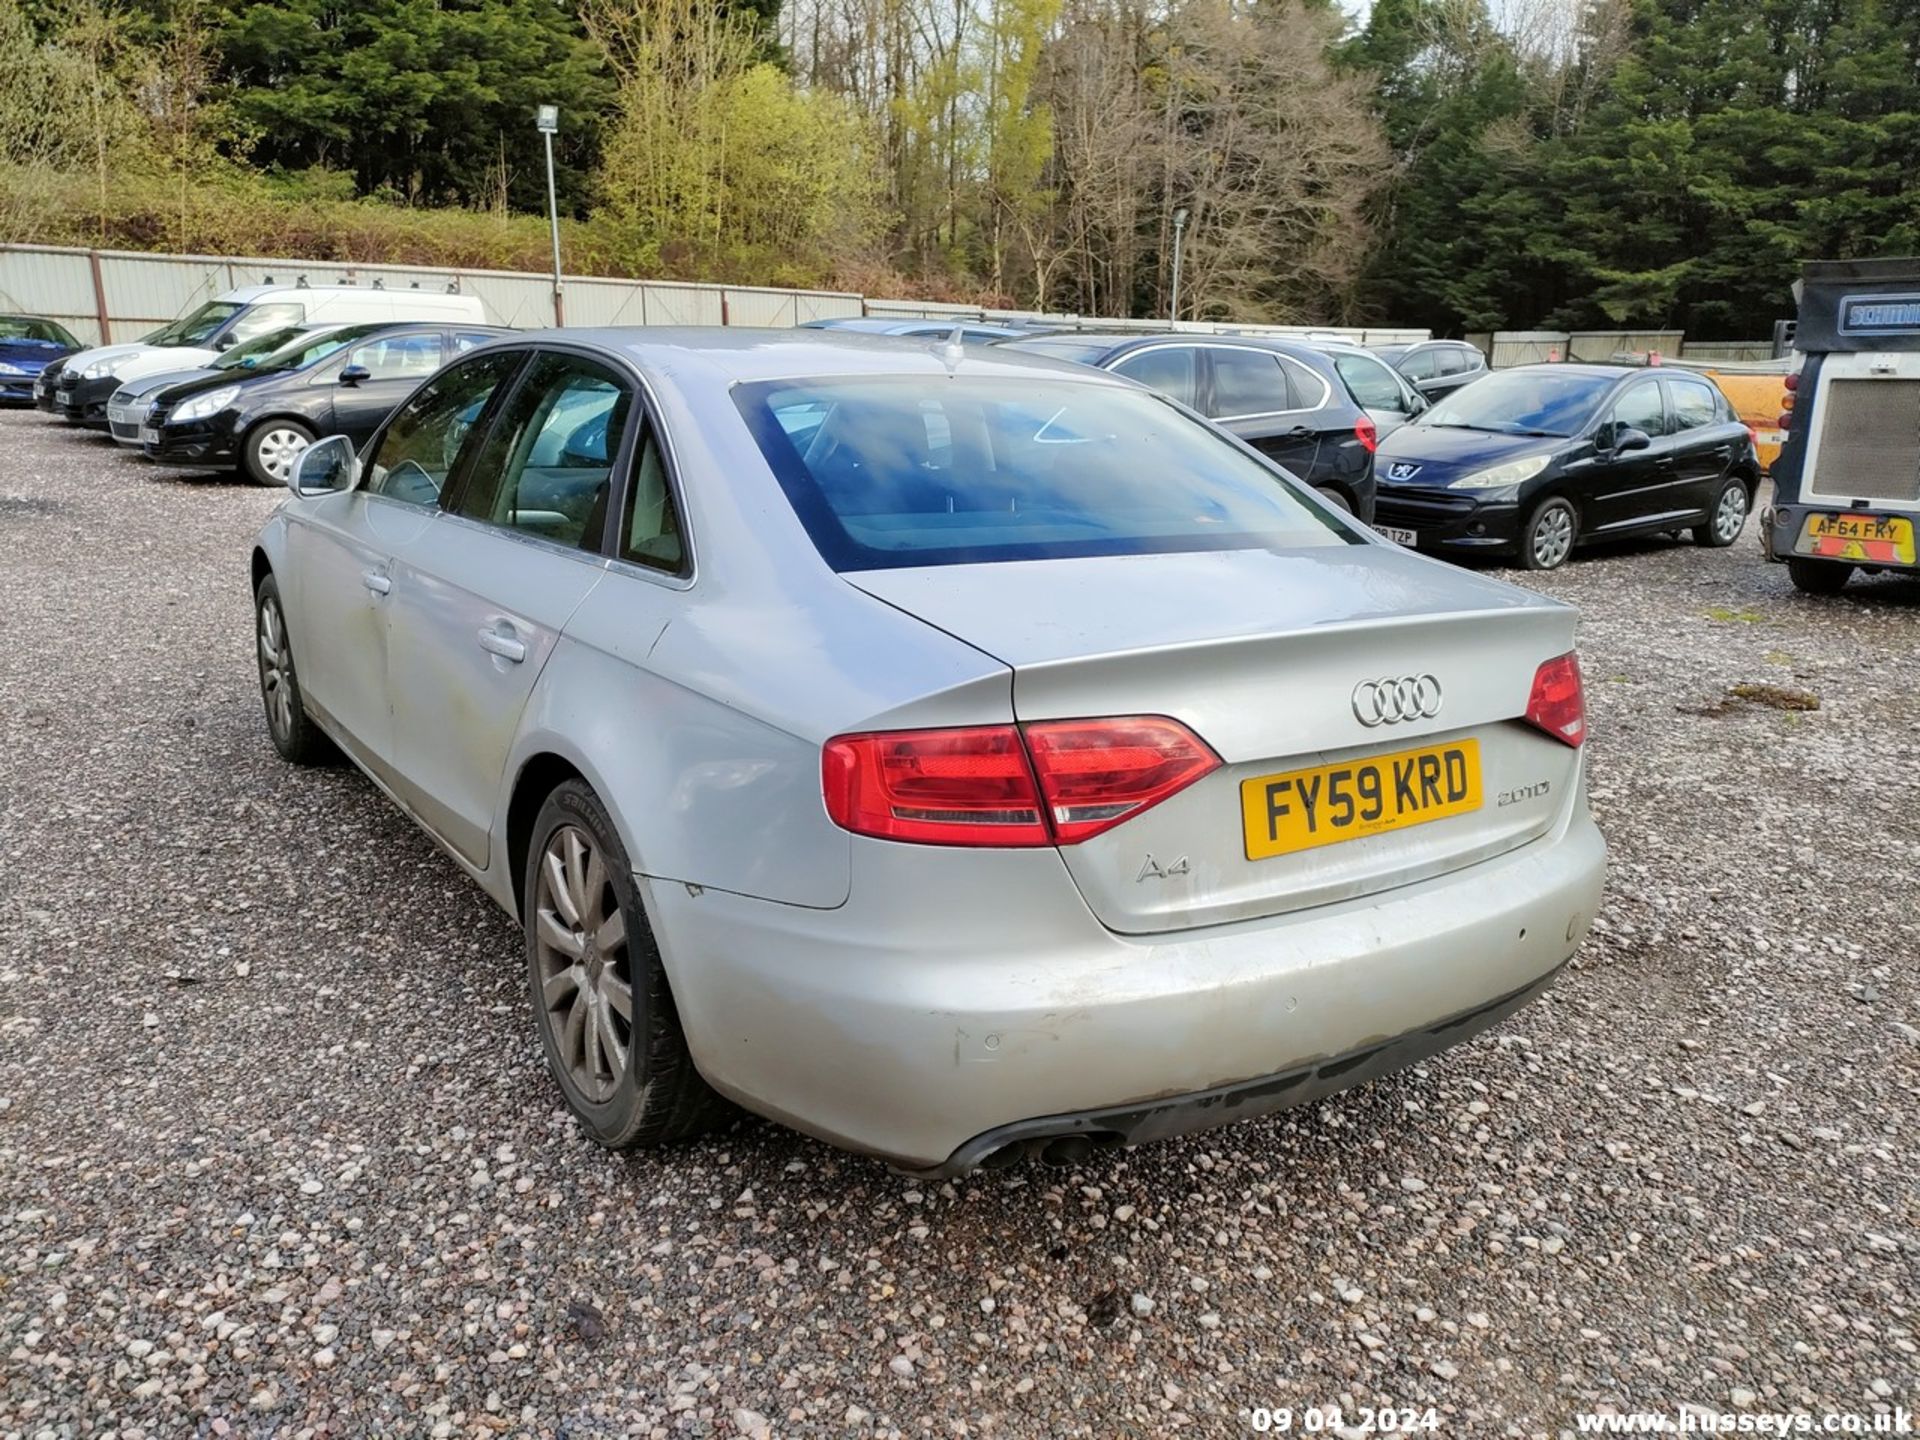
(278, 1156)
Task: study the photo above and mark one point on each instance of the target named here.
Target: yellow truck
(1756, 389)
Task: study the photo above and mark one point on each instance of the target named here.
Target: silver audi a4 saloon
(948, 753)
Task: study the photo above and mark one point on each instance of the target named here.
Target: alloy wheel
(276, 669)
(278, 449)
(1553, 537)
(1731, 514)
(586, 984)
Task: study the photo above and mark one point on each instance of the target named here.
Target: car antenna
(953, 349)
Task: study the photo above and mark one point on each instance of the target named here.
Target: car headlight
(210, 402)
(7, 367)
(1511, 473)
(98, 369)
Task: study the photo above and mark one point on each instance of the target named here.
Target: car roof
(903, 324)
(739, 353)
(1575, 367)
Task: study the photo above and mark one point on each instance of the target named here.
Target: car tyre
(270, 449)
(1726, 517)
(1334, 498)
(1547, 538)
(294, 734)
(1819, 577)
(606, 1017)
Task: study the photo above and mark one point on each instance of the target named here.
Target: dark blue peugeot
(1528, 463)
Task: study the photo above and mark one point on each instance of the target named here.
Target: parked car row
(248, 380)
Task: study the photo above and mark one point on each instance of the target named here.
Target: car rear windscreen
(946, 470)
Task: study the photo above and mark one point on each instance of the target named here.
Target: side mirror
(354, 374)
(324, 468)
(225, 342)
(1627, 438)
(1420, 404)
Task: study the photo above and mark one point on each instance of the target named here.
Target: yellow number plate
(1863, 538)
(1302, 809)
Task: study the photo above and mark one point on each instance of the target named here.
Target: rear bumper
(1248, 1100)
(961, 1001)
(1780, 527)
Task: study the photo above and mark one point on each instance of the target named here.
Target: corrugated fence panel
(1526, 347)
(1600, 346)
(143, 291)
(760, 307)
(522, 301)
(54, 283)
(1739, 350)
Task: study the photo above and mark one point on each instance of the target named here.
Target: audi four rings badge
(1391, 700)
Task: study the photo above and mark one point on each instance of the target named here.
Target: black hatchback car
(1286, 400)
(345, 382)
(1533, 461)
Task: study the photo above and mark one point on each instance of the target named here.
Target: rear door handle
(505, 646)
(376, 582)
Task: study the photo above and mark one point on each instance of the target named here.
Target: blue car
(28, 344)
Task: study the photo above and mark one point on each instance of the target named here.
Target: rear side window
(1421, 365)
(917, 471)
(547, 464)
(1371, 383)
(1171, 369)
(423, 442)
(1454, 360)
(650, 528)
(1247, 382)
(1694, 404)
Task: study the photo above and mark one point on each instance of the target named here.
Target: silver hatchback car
(950, 754)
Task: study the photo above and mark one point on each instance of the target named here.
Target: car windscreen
(25, 327)
(1523, 402)
(197, 328)
(1081, 352)
(250, 354)
(315, 346)
(942, 470)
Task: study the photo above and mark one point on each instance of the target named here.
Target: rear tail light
(937, 787)
(1786, 419)
(1558, 704)
(1792, 382)
(1059, 782)
(1367, 433)
(1097, 773)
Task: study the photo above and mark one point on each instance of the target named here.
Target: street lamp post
(1179, 226)
(547, 117)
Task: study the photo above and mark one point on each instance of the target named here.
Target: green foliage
(1725, 142)
(430, 99)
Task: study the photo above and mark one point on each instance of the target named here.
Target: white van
(82, 389)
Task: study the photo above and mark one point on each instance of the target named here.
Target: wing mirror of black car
(1627, 438)
(354, 374)
(323, 468)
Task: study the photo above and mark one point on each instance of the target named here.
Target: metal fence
(1505, 348)
(105, 296)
